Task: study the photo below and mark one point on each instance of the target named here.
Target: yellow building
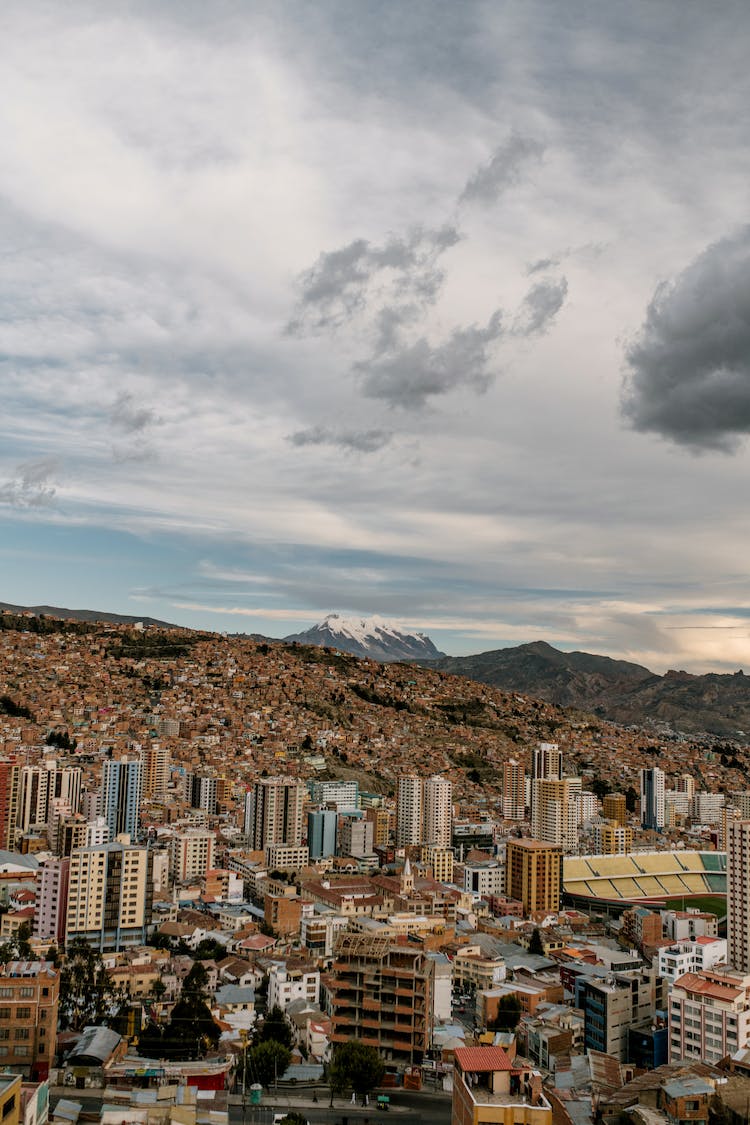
(441, 862)
(489, 1087)
(533, 874)
(109, 895)
(10, 1098)
(614, 807)
(613, 839)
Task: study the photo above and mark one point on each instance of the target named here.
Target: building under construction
(381, 994)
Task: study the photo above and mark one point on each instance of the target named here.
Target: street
(406, 1106)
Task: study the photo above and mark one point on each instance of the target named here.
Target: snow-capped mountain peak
(369, 636)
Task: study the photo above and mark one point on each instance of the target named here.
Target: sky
(437, 311)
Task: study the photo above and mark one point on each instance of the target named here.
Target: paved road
(408, 1107)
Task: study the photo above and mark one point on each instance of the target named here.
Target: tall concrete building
(321, 832)
(52, 900)
(555, 811)
(155, 760)
(40, 786)
(652, 798)
(192, 853)
(10, 772)
(277, 812)
(355, 836)
(738, 894)
(533, 874)
(122, 789)
(202, 792)
(109, 895)
(614, 807)
(514, 790)
(546, 761)
(437, 803)
(409, 795)
(342, 794)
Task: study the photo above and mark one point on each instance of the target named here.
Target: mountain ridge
(619, 690)
(372, 637)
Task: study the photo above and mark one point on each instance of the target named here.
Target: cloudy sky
(433, 310)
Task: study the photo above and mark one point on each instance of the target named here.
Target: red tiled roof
(477, 1059)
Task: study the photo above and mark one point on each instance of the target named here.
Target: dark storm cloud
(540, 306)
(410, 375)
(356, 441)
(336, 287)
(32, 485)
(690, 365)
(503, 169)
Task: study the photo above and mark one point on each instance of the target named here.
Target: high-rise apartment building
(52, 900)
(155, 760)
(343, 794)
(556, 811)
(546, 762)
(277, 812)
(738, 894)
(322, 826)
(652, 798)
(122, 789)
(514, 790)
(202, 792)
(355, 836)
(614, 807)
(409, 795)
(10, 772)
(192, 853)
(381, 826)
(109, 895)
(437, 803)
(533, 874)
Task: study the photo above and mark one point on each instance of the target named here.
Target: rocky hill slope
(615, 689)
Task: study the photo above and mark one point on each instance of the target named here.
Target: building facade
(533, 874)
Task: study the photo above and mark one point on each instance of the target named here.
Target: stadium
(615, 882)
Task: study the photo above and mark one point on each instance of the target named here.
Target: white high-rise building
(738, 894)
(409, 811)
(438, 812)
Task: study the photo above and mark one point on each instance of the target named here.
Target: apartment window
(4, 1033)
(22, 1033)
(27, 993)
(6, 993)
(4, 1013)
(9, 1106)
(23, 1013)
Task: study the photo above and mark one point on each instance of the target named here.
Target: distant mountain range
(371, 637)
(615, 689)
(83, 615)
(618, 690)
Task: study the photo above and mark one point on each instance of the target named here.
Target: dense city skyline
(435, 311)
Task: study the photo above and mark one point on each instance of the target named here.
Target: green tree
(358, 1066)
(17, 948)
(508, 1013)
(275, 1027)
(267, 1062)
(88, 994)
(293, 1118)
(536, 945)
